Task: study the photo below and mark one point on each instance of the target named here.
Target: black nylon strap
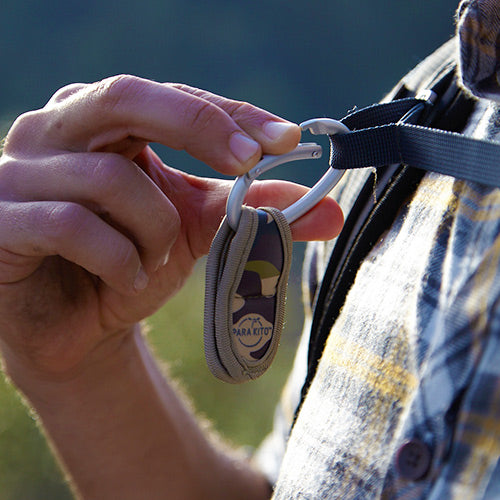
(394, 185)
(421, 147)
(380, 114)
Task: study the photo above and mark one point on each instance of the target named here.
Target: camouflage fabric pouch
(246, 282)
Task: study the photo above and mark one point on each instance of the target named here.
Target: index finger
(124, 107)
(276, 135)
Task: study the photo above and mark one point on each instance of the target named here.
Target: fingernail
(166, 259)
(141, 280)
(276, 130)
(163, 262)
(243, 147)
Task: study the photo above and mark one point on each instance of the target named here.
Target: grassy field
(242, 414)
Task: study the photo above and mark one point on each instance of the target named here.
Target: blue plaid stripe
(427, 368)
(478, 26)
(414, 354)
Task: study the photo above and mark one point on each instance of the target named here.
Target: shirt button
(413, 460)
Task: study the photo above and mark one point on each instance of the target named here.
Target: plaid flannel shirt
(405, 403)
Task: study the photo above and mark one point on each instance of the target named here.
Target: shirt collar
(478, 31)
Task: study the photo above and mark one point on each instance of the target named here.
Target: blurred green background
(298, 59)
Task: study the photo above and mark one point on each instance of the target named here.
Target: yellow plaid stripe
(383, 375)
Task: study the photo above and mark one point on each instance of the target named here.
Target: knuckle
(201, 115)
(64, 221)
(111, 91)
(241, 109)
(168, 226)
(9, 174)
(173, 224)
(106, 174)
(65, 93)
(114, 177)
(23, 132)
(124, 255)
(169, 219)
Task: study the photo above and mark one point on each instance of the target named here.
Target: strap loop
(430, 149)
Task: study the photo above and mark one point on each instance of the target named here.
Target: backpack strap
(372, 215)
(383, 134)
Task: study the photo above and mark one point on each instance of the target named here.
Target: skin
(96, 234)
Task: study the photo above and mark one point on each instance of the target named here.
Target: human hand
(96, 233)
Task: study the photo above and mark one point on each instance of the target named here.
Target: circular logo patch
(252, 335)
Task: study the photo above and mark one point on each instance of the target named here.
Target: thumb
(323, 222)
(201, 203)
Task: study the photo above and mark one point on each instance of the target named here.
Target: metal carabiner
(304, 151)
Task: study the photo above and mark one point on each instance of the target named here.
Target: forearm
(121, 431)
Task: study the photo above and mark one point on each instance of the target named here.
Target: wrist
(121, 429)
(37, 381)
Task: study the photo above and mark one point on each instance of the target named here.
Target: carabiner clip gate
(304, 151)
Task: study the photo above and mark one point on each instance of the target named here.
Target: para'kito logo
(251, 336)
